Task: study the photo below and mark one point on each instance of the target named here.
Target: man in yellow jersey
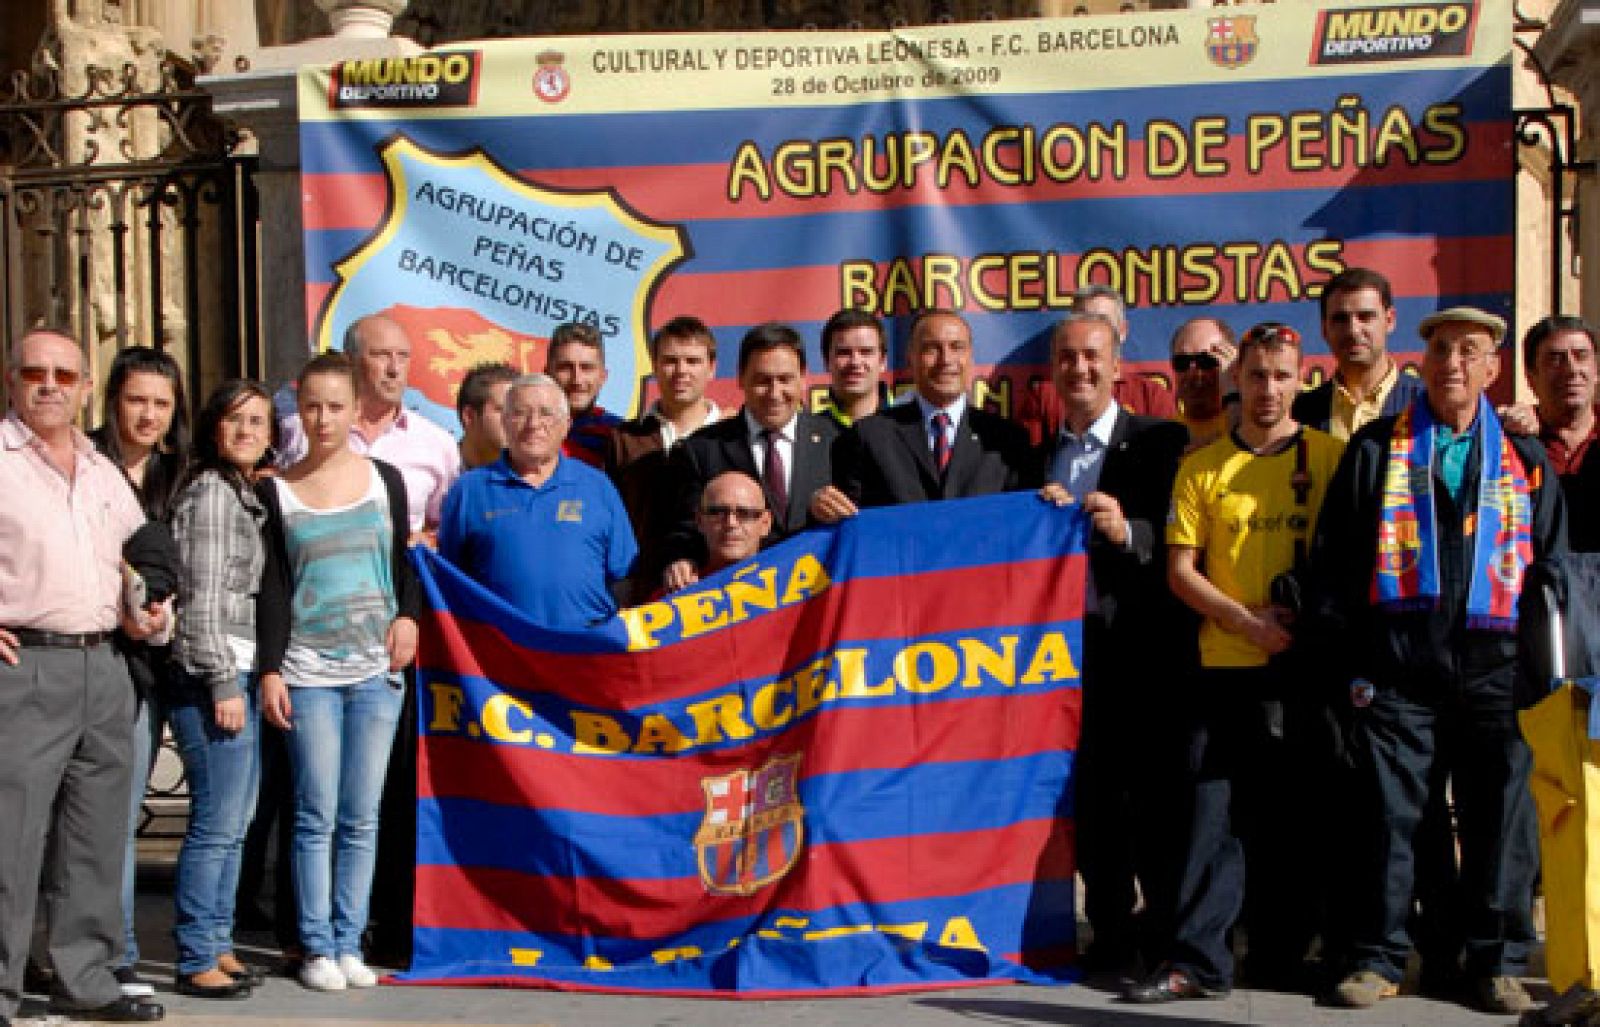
(1243, 509)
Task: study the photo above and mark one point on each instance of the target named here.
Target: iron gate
(126, 215)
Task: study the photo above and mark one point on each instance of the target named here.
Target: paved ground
(282, 1001)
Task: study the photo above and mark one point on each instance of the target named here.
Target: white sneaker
(319, 973)
(356, 973)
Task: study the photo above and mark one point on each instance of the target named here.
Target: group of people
(1334, 574)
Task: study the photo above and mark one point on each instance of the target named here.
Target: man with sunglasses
(1429, 526)
(1357, 307)
(773, 439)
(66, 702)
(1203, 352)
(1243, 509)
(733, 519)
(1118, 466)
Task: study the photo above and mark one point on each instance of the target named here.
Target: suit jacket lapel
(963, 456)
(806, 476)
(736, 452)
(1121, 433)
(914, 434)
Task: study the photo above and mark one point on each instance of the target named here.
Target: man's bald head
(733, 518)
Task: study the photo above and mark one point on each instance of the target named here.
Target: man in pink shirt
(66, 702)
(425, 454)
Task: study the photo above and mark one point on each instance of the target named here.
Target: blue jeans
(338, 753)
(223, 772)
(146, 734)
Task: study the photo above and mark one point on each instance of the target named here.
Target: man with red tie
(787, 449)
(938, 445)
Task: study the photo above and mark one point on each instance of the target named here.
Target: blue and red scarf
(1406, 576)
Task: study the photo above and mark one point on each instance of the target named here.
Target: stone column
(1569, 49)
(260, 97)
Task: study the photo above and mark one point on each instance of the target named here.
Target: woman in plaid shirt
(217, 521)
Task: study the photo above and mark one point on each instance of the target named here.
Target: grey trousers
(66, 749)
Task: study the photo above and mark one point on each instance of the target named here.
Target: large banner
(1206, 161)
(845, 766)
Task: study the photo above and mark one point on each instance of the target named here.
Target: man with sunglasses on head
(1203, 352)
(1429, 526)
(1243, 509)
(66, 702)
(1357, 307)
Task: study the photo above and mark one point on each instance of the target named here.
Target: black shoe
(123, 1010)
(1169, 984)
(254, 976)
(37, 979)
(235, 988)
(132, 985)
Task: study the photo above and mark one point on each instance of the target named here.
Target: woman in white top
(336, 623)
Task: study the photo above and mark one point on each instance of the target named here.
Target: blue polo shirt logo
(570, 510)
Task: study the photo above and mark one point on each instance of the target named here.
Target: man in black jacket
(773, 440)
(1119, 467)
(936, 445)
(1422, 569)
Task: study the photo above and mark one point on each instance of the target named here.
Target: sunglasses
(1269, 332)
(39, 375)
(742, 514)
(1182, 362)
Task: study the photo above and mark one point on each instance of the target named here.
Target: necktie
(772, 476)
(941, 440)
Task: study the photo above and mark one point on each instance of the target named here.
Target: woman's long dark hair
(224, 399)
(166, 464)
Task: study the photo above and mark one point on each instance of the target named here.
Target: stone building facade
(122, 286)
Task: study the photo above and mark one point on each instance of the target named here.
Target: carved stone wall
(111, 184)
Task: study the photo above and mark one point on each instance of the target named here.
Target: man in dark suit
(1119, 467)
(936, 445)
(1357, 307)
(785, 448)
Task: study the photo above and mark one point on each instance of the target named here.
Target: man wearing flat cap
(1428, 526)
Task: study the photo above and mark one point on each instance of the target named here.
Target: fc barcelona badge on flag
(753, 829)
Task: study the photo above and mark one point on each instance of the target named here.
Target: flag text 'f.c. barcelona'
(845, 766)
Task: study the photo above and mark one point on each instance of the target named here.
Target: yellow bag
(1566, 789)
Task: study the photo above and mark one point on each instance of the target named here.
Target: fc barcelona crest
(1232, 42)
(753, 829)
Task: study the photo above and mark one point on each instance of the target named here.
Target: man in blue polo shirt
(544, 532)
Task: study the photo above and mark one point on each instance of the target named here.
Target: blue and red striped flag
(843, 767)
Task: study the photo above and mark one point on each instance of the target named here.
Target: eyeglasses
(742, 514)
(1270, 331)
(546, 415)
(1182, 362)
(1466, 349)
(63, 377)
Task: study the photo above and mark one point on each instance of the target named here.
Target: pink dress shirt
(424, 453)
(61, 541)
